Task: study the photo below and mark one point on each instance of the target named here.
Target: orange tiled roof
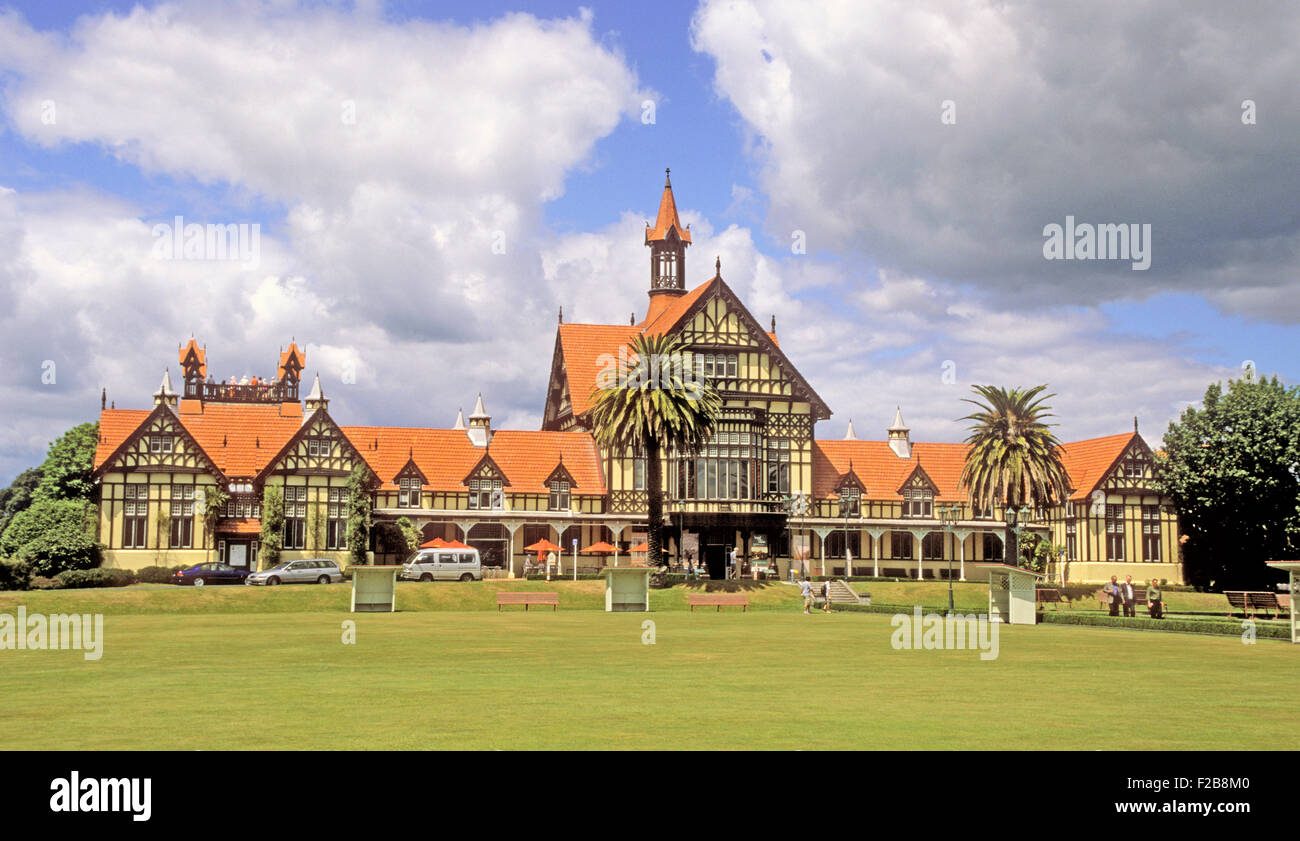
(582, 346)
(446, 456)
(881, 471)
(667, 219)
(115, 426)
(240, 438)
(1087, 461)
(664, 317)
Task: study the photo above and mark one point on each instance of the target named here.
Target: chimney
(899, 439)
(480, 425)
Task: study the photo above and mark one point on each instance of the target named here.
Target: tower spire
(667, 242)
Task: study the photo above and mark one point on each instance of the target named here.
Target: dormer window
(918, 502)
(486, 494)
(560, 500)
(408, 492)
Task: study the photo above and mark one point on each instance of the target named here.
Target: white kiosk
(1012, 594)
(374, 588)
(627, 589)
(1292, 567)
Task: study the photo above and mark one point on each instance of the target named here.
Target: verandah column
(876, 536)
(961, 535)
(918, 537)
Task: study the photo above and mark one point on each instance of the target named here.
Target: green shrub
(40, 582)
(83, 578)
(14, 575)
(155, 575)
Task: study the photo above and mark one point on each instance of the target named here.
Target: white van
(443, 565)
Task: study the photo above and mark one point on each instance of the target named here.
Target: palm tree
(657, 405)
(1014, 458)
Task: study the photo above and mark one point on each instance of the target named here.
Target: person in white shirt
(806, 589)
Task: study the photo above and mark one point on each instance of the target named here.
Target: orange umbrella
(543, 545)
(601, 548)
(456, 544)
(640, 547)
(436, 543)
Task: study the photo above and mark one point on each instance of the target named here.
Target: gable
(319, 447)
(487, 469)
(918, 480)
(159, 443)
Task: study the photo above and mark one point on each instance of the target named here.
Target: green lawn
(208, 677)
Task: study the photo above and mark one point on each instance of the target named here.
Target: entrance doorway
(715, 559)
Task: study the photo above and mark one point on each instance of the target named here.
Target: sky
(431, 182)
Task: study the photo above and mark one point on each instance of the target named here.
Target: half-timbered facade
(763, 483)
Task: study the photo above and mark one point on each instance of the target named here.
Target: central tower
(667, 241)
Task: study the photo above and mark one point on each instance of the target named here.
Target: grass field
(244, 668)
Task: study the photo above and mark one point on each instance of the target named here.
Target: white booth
(1292, 567)
(627, 589)
(1012, 594)
(374, 588)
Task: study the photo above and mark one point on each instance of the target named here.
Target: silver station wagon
(309, 571)
(443, 565)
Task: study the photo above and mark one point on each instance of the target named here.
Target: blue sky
(922, 238)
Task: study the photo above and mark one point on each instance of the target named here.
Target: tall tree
(1014, 457)
(18, 496)
(66, 471)
(358, 525)
(1232, 469)
(655, 406)
(272, 536)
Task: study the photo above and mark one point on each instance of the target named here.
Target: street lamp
(948, 515)
(1014, 527)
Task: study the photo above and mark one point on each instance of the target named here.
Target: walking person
(826, 596)
(806, 589)
(1112, 595)
(1155, 600)
(1130, 596)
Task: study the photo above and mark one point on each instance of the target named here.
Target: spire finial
(1135, 423)
(773, 322)
(717, 266)
(668, 182)
(561, 313)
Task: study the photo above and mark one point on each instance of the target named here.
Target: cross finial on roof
(668, 182)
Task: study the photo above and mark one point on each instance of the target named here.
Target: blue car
(203, 574)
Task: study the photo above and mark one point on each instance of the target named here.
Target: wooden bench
(1250, 602)
(526, 599)
(718, 600)
(1046, 595)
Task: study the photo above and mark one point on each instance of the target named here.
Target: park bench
(1047, 595)
(1250, 602)
(526, 599)
(718, 600)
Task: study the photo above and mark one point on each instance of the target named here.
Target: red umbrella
(601, 548)
(436, 543)
(543, 545)
(640, 547)
(456, 544)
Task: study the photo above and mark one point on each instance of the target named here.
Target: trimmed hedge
(156, 574)
(40, 582)
(1187, 626)
(99, 577)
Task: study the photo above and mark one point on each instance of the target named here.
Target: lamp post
(1014, 527)
(948, 517)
